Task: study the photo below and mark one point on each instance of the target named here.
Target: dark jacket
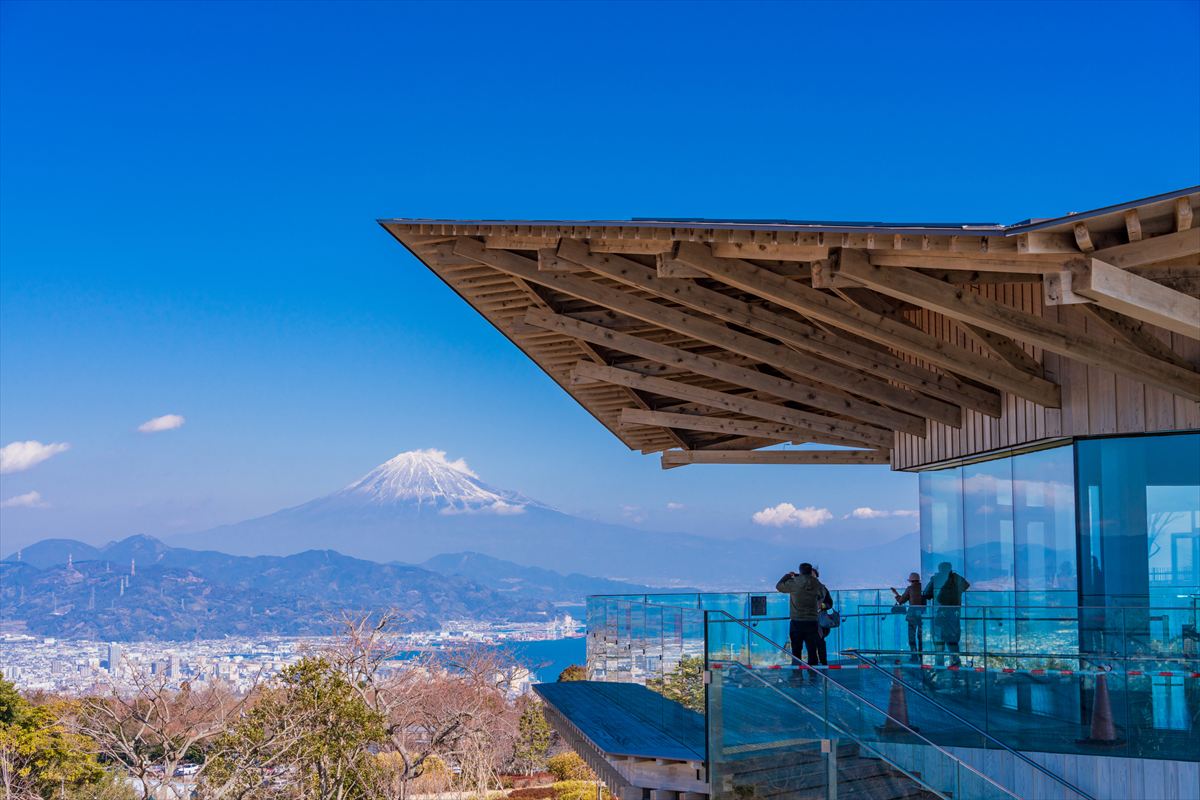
(946, 588)
(806, 593)
(911, 595)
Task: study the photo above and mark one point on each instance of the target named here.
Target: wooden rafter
(721, 370)
(714, 333)
(856, 432)
(839, 313)
(1136, 297)
(970, 307)
(680, 458)
(800, 336)
(727, 425)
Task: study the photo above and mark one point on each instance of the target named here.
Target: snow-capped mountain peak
(429, 478)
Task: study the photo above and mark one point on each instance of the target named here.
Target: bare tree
(453, 708)
(153, 729)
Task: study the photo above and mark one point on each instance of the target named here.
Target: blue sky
(188, 196)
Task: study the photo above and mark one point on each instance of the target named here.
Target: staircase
(804, 775)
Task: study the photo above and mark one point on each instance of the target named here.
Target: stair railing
(992, 741)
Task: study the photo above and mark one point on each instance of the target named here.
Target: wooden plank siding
(1095, 401)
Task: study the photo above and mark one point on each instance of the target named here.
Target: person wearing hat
(915, 598)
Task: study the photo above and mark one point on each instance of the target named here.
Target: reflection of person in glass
(913, 596)
(946, 589)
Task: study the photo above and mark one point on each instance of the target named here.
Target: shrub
(569, 767)
(575, 672)
(579, 790)
(532, 793)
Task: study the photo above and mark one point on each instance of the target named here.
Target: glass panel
(941, 520)
(1139, 509)
(988, 529)
(1044, 527)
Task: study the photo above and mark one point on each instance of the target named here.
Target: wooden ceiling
(710, 341)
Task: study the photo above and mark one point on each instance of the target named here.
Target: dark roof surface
(943, 228)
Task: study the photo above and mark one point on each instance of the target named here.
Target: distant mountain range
(419, 533)
(420, 505)
(141, 588)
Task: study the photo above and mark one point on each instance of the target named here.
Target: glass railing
(757, 727)
(1122, 681)
(778, 727)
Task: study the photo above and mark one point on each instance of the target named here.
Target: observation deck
(693, 695)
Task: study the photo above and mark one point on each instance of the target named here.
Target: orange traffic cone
(1104, 729)
(897, 715)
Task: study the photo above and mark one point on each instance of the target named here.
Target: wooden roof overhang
(708, 341)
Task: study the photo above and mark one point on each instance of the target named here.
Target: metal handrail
(1001, 745)
(876, 753)
(871, 705)
(974, 728)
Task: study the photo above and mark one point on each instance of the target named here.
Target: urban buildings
(1043, 379)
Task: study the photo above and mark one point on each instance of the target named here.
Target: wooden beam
(1134, 334)
(1007, 321)
(548, 261)
(891, 333)
(586, 372)
(1157, 248)
(680, 458)
(1183, 213)
(1135, 296)
(1083, 237)
(1032, 264)
(733, 427)
(705, 330)
(800, 337)
(729, 373)
(1133, 225)
(1005, 349)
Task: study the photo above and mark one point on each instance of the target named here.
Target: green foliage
(684, 684)
(39, 756)
(533, 739)
(575, 672)
(330, 734)
(579, 790)
(569, 767)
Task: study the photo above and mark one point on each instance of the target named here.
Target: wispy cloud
(27, 500)
(167, 422)
(787, 515)
(20, 456)
(866, 512)
(633, 513)
(673, 506)
(499, 508)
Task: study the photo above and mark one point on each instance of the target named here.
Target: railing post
(829, 748)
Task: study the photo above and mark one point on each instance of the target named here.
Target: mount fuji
(421, 504)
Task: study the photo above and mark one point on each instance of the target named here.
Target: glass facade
(1097, 522)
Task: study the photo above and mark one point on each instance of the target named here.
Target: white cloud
(19, 456)
(167, 422)
(672, 506)
(27, 500)
(633, 513)
(786, 514)
(866, 512)
(499, 508)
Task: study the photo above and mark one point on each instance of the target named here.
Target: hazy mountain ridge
(172, 593)
(506, 576)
